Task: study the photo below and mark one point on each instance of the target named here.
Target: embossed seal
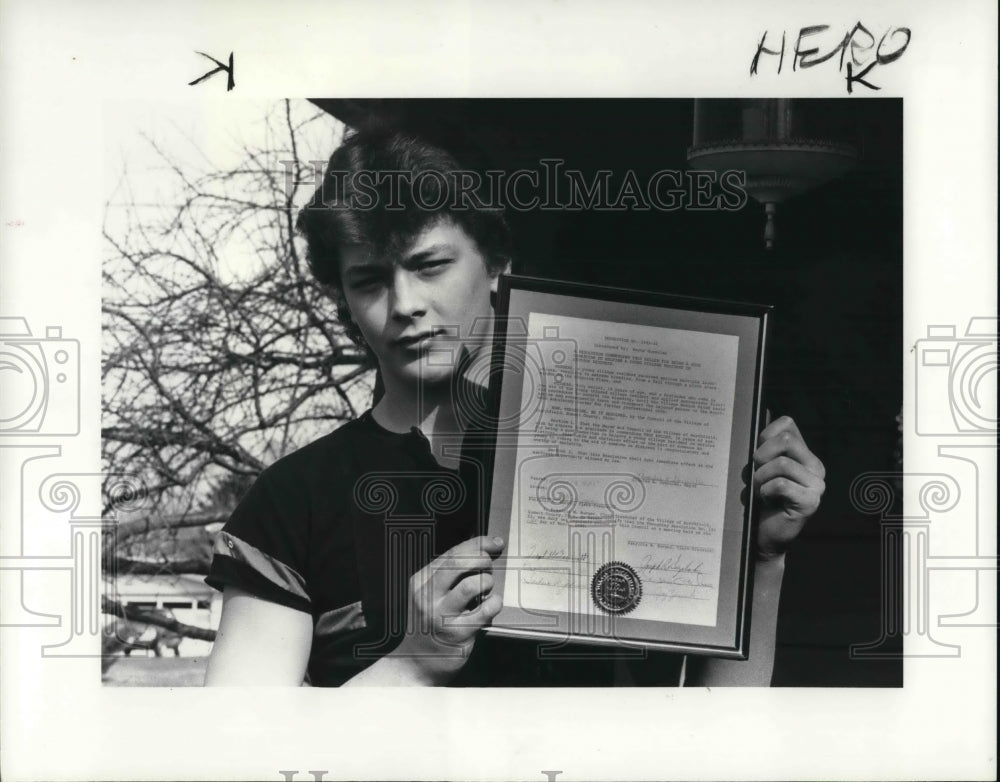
(616, 588)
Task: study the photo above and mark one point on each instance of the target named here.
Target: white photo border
(61, 61)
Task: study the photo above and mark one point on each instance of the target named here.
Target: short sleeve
(263, 547)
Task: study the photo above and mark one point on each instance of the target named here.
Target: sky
(200, 137)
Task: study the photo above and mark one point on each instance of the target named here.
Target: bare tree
(220, 353)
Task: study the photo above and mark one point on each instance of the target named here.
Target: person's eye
(434, 266)
(368, 283)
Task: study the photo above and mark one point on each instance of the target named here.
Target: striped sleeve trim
(275, 571)
(340, 620)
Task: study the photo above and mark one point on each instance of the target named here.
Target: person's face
(418, 309)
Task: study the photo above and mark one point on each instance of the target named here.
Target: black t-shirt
(337, 528)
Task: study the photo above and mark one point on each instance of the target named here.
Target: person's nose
(407, 296)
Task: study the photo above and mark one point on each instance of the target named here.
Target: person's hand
(789, 479)
(450, 601)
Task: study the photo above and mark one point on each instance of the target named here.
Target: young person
(362, 558)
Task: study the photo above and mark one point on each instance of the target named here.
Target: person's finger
(487, 543)
(433, 580)
(797, 500)
(786, 467)
(470, 556)
(471, 550)
(480, 616)
(783, 424)
(457, 599)
(451, 570)
(789, 443)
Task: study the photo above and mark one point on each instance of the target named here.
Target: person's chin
(421, 372)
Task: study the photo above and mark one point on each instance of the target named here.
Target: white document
(626, 461)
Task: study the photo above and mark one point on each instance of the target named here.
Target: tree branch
(136, 614)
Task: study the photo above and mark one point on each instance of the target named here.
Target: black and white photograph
(394, 425)
(286, 408)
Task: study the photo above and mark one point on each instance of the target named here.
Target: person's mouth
(415, 340)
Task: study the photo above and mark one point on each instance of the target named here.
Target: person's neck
(401, 408)
(433, 413)
(432, 408)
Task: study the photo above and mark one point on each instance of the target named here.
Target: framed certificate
(624, 426)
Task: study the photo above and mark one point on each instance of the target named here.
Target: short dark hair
(357, 203)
